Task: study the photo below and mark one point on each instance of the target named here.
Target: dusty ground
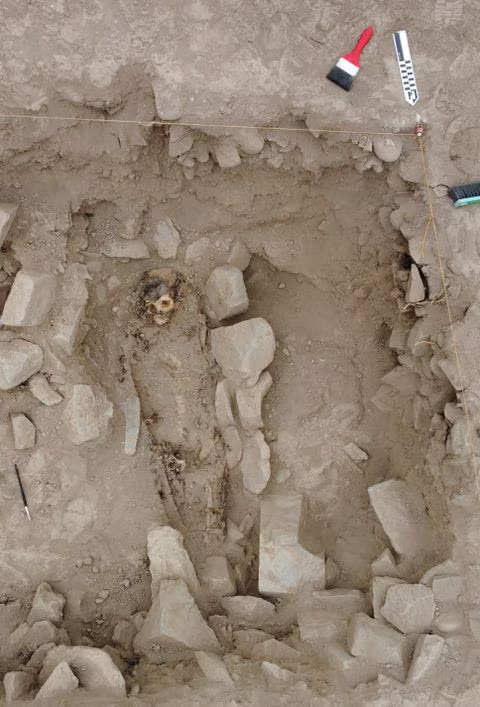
(324, 273)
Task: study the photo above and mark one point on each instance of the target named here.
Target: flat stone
(409, 607)
(166, 239)
(131, 410)
(352, 670)
(239, 256)
(47, 605)
(450, 622)
(255, 463)
(447, 568)
(197, 250)
(174, 621)
(355, 453)
(385, 565)
(246, 639)
(323, 616)
(376, 642)
(24, 431)
(226, 293)
(233, 446)
(427, 652)
(134, 249)
(380, 587)
(249, 612)
(181, 140)
(387, 148)
(213, 667)
(94, 668)
(70, 309)
(19, 359)
(169, 559)
(81, 415)
(30, 299)
(17, 637)
(446, 589)
(249, 402)
(415, 288)
(7, 216)
(17, 684)
(284, 564)
(60, 683)
(217, 577)
(244, 350)
(38, 656)
(401, 511)
(223, 405)
(275, 652)
(226, 153)
(275, 672)
(40, 632)
(41, 389)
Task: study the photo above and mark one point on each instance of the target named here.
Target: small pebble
(79, 563)
(362, 292)
(286, 352)
(95, 570)
(281, 285)
(126, 583)
(88, 560)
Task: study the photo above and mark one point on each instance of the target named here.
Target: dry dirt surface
(239, 326)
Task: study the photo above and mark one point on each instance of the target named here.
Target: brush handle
(365, 37)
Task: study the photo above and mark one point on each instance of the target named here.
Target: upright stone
(284, 564)
(174, 621)
(244, 350)
(409, 607)
(223, 405)
(71, 308)
(95, 669)
(255, 463)
(166, 239)
(30, 299)
(401, 511)
(376, 642)
(60, 683)
(41, 389)
(250, 612)
(24, 431)
(225, 292)
(217, 577)
(7, 215)
(82, 416)
(239, 256)
(169, 559)
(427, 651)
(17, 686)
(19, 359)
(131, 410)
(249, 402)
(323, 616)
(47, 605)
(213, 667)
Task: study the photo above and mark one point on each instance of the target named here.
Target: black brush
(348, 66)
(22, 491)
(465, 194)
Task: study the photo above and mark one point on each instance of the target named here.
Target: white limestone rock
(30, 299)
(244, 350)
(7, 215)
(131, 411)
(447, 589)
(239, 256)
(217, 577)
(174, 621)
(380, 587)
(166, 239)
(181, 140)
(323, 616)
(446, 568)
(385, 565)
(401, 511)
(169, 559)
(255, 463)
(94, 668)
(332, 573)
(249, 402)
(213, 667)
(352, 670)
(274, 672)
(81, 415)
(223, 405)
(47, 605)
(24, 431)
(275, 652)
(17, 685)
(60, 683)
(197, 250)
(284, 564)
(134, 249)
(69, 312)
(249, 612)
(39, 633)
(428, 650)
(246, 639)
(226, 293)
(123, 635)
(376, 642)
(233, 446)
(41, 389)
(19, 359)
(226, 153)
(387, 148)
(355, 453)
(415, 288)
(409, 607)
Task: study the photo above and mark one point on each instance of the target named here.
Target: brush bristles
(341, 78)
(464, 191)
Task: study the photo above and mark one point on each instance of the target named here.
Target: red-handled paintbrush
(348, 66)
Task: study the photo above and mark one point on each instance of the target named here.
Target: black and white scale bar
(405, 64)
